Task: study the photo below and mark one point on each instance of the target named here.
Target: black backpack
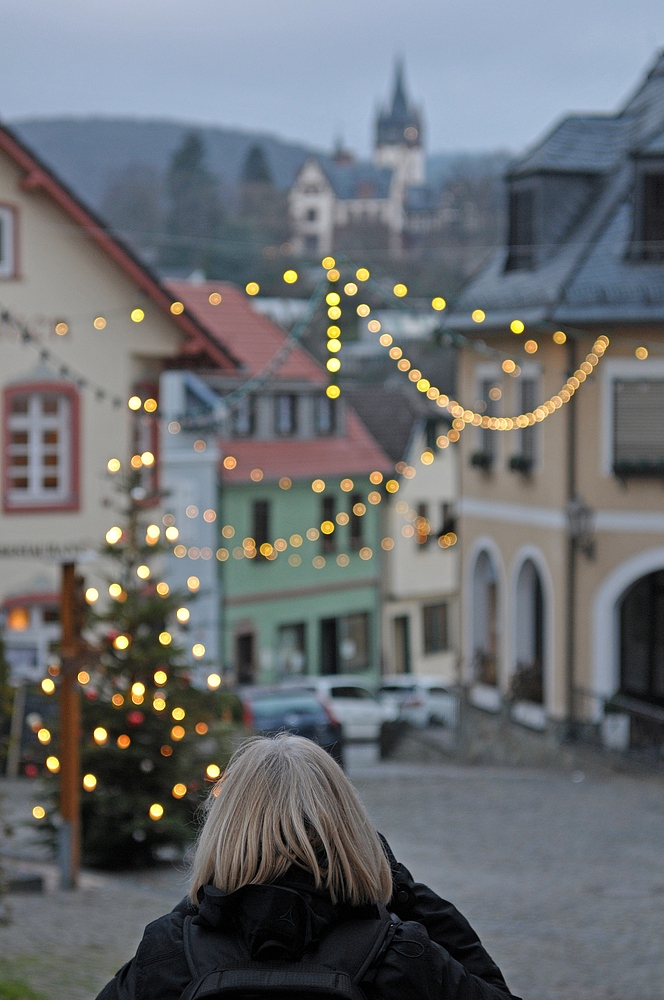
(222, 967)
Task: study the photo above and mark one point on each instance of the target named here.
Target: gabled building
(338, 204)
(561, 516)
(84, 328)
(420, 579)
(295, 507)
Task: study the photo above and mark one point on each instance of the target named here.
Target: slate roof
(590, 276)
(357, 180)
(422, 198)
(587, 144)
(392, 414)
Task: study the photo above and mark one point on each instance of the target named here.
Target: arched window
(485, 620)
(642, 639)
(528, 679)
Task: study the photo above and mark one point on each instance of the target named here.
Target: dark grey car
(268, 711)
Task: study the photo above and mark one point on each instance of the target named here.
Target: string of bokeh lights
(416, 526)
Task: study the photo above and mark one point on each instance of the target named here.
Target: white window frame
(7, 241)
(37, 423)
(620, 370)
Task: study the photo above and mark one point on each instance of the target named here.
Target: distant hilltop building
(339, 204)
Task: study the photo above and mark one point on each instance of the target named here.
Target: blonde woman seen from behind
(294, 894)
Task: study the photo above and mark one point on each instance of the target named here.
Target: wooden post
(70, 724)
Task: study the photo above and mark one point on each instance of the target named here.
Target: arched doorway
(642, 639)
(485, 620)
(528, 679)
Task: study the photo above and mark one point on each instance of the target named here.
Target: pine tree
(195, 214)
(151, 742)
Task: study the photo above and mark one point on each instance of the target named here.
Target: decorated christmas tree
(151, 741)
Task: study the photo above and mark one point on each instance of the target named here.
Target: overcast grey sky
(489, 73)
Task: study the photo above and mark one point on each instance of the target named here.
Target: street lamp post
(70, 725)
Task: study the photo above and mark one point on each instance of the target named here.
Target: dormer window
(285, 415)
(521, 255)
(652, 217)
(244, 417)
(325, 413)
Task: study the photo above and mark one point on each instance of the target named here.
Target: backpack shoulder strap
(356, 945)
(205, 950)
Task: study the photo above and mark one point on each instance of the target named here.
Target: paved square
(563, 879)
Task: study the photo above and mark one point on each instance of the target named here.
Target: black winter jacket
(434, 953)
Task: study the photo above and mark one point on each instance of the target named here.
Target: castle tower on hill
(339, 204)
(399, 135)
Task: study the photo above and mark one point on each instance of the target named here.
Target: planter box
(529, 714)
(485, 697)
(615, 731)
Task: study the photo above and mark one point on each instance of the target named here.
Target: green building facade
(309, 604)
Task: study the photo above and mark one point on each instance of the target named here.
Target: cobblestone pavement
(561, 873)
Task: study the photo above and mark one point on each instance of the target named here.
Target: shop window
(41, 447)
(291, 649)
(402, 644)
(345, 644)
(434, 627)
(642, 639)
(18, 619)
(353, 633)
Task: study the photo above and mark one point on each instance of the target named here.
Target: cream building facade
(562, 520)
(420, 610)
(420, 557)
(71, 355)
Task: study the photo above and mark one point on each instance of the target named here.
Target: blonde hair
(283, 801)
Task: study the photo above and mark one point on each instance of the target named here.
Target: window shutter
(638, 420)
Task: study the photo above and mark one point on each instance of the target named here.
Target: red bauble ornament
(135, 718)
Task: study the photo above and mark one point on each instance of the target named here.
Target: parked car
(267, 711)
(420, 700)
(353, 703)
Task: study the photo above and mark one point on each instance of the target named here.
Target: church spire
(399, 125)
(399, 102)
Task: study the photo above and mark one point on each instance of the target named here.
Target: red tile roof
(254, 340)
(38, 177)
(353, 455)
(249, 337)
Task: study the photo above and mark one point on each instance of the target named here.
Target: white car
(420, 700)
(352, 702)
